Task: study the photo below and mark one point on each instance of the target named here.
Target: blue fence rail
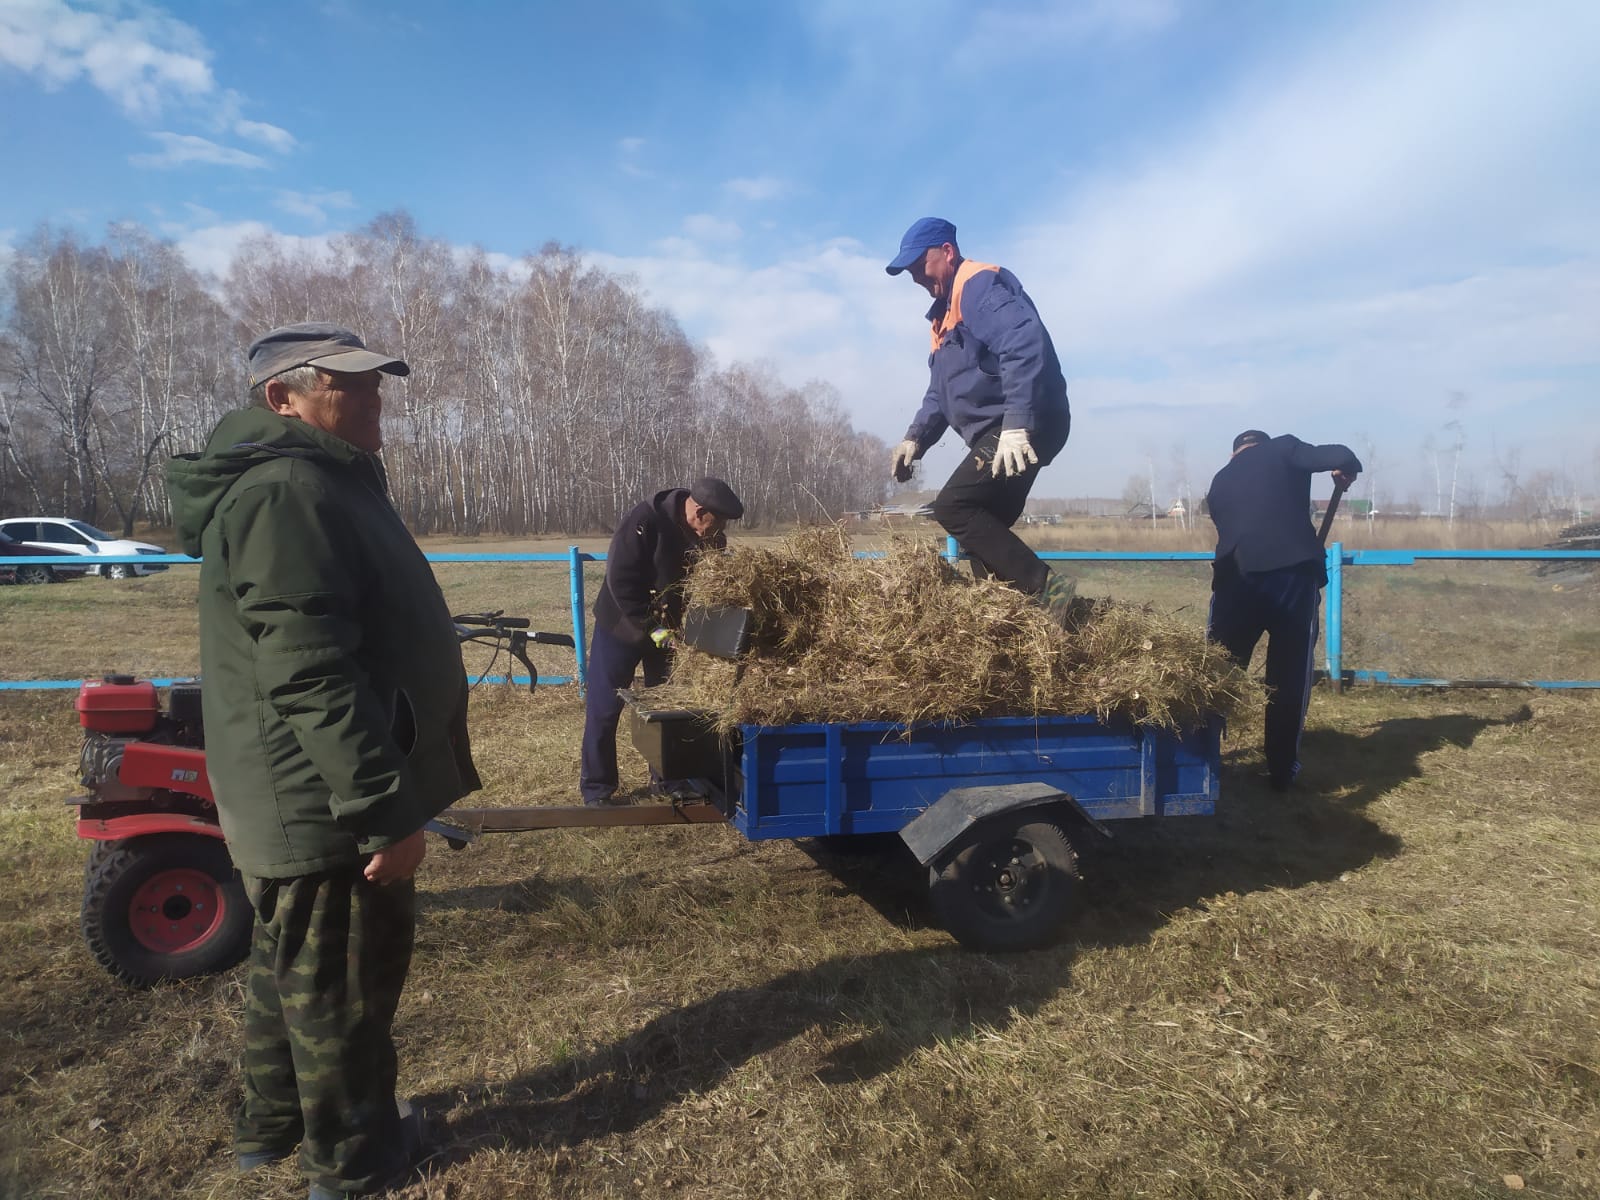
(1333, 600)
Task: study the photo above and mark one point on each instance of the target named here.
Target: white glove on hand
(1013, 454)
(900, 462)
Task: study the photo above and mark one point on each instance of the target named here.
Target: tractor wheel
(1009, 884)
(117, 571)
(34, 573)
(164, 907)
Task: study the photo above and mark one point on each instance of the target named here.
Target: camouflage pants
(328, 960)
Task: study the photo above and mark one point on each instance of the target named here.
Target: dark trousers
(1283, 604)
(612, 663)
(328, 959)
(978, 510)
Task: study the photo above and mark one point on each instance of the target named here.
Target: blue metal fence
(1333, 600)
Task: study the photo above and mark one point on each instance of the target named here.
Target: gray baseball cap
(316, 344)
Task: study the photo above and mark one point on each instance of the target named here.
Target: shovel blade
(723, 632)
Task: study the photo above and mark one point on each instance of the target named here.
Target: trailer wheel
(1007, 885)
(164, 907)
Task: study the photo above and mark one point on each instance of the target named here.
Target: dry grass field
(1387, 983)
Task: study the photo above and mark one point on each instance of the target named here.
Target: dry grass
(1384, 985)
(908, 639)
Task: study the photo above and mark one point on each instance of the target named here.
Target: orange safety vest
(952, 310)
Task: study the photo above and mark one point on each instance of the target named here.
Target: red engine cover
(117, 707)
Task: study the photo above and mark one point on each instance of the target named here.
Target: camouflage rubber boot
(1057, 597)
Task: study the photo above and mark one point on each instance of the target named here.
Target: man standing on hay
(336, 727)
(641, 598)
(995, 380)
(1269, 574)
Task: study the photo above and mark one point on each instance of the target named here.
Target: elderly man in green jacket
(335, 710)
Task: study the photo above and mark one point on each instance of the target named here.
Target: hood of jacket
(247, 437)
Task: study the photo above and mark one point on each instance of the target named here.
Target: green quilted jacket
(334, 697)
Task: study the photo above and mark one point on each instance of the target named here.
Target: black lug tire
(1007, 885)
(117, 571)
(34, 573)
(121, 877)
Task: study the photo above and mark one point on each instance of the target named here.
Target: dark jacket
(335, 701)
(992, 366)
(1261, 503)
(650, 554)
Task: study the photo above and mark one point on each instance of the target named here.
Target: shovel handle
(1327, 514)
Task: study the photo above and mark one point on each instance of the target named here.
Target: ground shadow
(1258, 839)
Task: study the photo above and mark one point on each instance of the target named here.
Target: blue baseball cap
(919, 239)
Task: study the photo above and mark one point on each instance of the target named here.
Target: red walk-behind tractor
(161, 898)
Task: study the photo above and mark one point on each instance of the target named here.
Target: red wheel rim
(176, 910)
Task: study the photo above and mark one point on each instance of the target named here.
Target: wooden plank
(581, 816)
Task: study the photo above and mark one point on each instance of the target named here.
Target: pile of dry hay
(908, 639)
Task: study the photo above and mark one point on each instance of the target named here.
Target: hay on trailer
(909, 639)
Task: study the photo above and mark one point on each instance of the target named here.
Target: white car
(76, 537)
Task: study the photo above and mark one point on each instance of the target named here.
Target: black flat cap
(1249, 438)
(718, 497)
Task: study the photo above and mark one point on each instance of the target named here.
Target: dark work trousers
(978, 510)
(1283, 604)
(328, 960)
(612, 663)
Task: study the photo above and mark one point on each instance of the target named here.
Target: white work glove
(1013, 454)
(900, 462)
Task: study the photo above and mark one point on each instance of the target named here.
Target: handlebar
(497, 630)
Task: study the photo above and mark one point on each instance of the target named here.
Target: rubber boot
(1058, 598)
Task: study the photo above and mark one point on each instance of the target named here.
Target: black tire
(35, 573)
(1009, 884)
(169, 906)
(117, 571)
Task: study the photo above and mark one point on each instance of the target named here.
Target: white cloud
(270, 136)
(182, 149)
(706, 228)
(211, 248)
(630, 145)
(1434, 143)
(140, 61)
(760, 187)
(313, 206)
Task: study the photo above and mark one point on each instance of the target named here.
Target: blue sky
(1327, 219)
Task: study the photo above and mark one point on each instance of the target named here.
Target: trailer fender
(942, 823)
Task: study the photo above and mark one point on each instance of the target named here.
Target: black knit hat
(717, 496)
(1249, 438)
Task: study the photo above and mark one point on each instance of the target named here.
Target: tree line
(546, 396)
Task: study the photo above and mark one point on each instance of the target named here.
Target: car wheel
(117, 571)
(34, 573)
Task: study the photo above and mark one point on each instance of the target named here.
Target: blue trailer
(992, 807)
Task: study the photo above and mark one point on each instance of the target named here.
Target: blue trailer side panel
(817, 779)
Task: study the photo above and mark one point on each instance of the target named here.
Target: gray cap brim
(355, 361)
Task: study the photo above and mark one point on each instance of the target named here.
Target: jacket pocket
(403, 728)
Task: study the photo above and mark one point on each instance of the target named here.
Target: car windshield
(99, 535)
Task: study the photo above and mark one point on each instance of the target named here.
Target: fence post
(575, 579)
(1333, 624)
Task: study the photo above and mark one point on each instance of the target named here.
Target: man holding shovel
(1269, 573)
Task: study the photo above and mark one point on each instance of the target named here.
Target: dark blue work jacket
(1261, 503)
(992, 366)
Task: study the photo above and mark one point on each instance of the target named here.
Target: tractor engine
(136, 757)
